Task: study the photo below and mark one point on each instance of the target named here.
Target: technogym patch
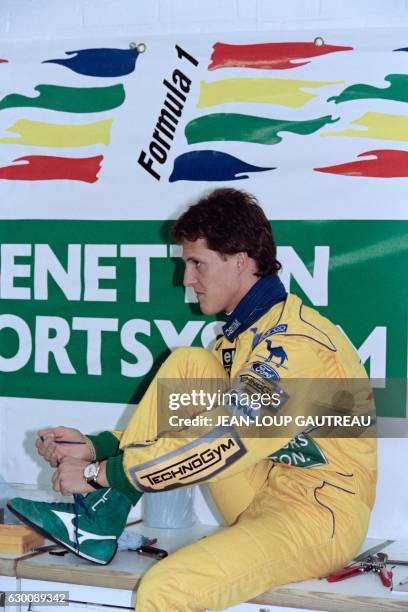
(190, 464)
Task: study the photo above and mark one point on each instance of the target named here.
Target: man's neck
(245, 287)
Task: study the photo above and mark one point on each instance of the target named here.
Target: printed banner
(102, 146)
(90, 308)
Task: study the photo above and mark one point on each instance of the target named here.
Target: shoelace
(79, 505)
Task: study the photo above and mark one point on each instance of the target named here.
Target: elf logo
(227, 358)
(191, 464)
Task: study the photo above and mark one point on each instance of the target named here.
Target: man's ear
(242, 260)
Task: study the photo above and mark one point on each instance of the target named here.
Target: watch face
(90, 470)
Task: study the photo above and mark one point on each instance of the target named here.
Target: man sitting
(297, 499)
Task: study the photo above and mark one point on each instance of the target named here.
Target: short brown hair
(231, 221)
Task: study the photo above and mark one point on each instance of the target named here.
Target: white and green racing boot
(90, 527)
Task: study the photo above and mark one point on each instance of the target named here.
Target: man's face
(214, 277)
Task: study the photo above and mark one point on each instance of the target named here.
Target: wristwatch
(91, 472)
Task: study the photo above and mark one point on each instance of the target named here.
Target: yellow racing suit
(297, 502)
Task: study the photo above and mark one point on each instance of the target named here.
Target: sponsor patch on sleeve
(195, 462)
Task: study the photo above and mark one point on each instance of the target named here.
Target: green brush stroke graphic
(247, 128)
(69, 99)
(397, 90)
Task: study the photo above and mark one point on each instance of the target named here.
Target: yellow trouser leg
(233, 495)
(186, 363)
(284, 536)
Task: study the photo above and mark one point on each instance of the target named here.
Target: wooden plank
(8, 565)
(97, 577)
(8, 561)
(127, 568)
(365, 593)
(329, 602)
(124, 572)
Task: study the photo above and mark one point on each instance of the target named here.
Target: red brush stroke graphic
(3, 61)
(275, 56)
(47, 168)
(388, 163)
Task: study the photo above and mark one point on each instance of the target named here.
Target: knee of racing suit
(160, 590)
(192, 362)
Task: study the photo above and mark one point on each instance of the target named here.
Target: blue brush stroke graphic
(210, 166)
(99, 62)
(402, 49)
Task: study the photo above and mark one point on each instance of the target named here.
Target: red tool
(347, 572)
(373, 563)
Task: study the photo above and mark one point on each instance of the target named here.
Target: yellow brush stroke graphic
(380, 125)
(41, 134)
(284, 92)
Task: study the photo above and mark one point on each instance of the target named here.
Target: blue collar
(267, 292)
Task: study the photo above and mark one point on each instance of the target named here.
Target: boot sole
(51, 537)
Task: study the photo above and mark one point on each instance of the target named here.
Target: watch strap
(95, 484)
(92, 481)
